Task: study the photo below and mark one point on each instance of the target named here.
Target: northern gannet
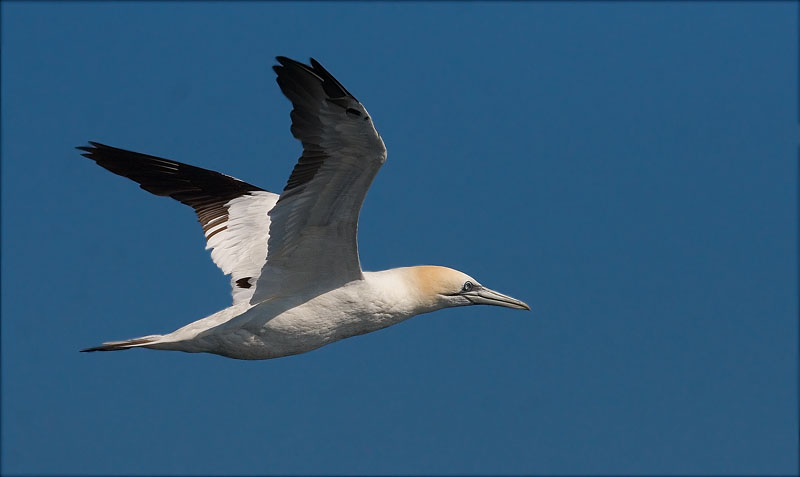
(293, 258)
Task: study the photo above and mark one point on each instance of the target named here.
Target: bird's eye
(467, 287)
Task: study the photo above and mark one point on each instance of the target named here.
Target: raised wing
(313, 241)
(233, 213)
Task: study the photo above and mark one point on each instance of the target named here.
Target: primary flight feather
(296, 280)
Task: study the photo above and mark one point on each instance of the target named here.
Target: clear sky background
(628, 169)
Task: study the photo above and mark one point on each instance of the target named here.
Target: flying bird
(293, 257)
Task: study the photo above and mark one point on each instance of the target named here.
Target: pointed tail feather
(123, 345)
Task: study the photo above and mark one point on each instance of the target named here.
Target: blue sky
(629, 169)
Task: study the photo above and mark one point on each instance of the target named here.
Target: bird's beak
(485, 296)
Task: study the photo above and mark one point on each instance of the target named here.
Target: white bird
(293, 258)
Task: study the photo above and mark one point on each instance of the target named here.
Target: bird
(296, 278)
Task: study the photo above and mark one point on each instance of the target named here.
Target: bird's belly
(297, 330)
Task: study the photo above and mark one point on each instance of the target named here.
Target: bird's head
(444, 287)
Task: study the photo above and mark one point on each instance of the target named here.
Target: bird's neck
(398, 291)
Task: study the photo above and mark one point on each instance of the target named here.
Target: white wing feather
(239, 248)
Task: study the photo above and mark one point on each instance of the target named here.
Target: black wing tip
(332, 87)
(316, 64)
(288, 62)
(89, 152)
(92, 147)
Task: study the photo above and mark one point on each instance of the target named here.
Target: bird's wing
(234, 214)
(312, 243)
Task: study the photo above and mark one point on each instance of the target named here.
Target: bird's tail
(126, 344)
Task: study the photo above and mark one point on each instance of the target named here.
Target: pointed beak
(485, 296)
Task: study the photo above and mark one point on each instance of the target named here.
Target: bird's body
(292, 325)
(296, 277)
